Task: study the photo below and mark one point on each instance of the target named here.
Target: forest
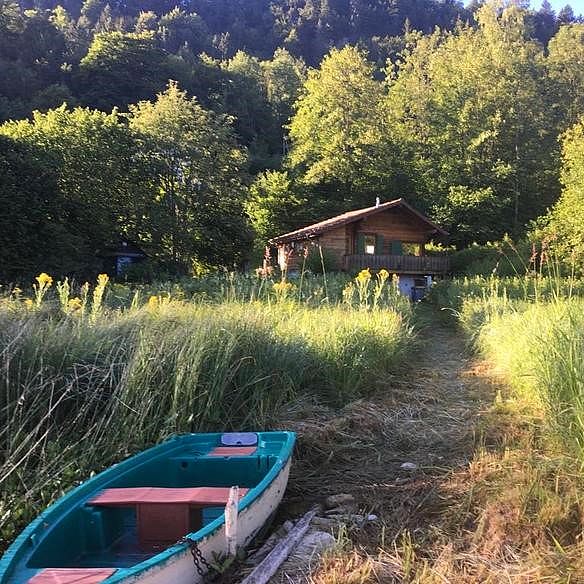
(202, 129)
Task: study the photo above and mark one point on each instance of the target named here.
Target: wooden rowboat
(157, 517)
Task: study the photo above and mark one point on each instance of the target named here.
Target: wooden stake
(270, 564)
(231, 521)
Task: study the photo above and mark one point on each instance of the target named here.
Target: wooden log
(258, 555)
(270, 564)
(231, 522)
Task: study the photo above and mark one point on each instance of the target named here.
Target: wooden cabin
(390, 235)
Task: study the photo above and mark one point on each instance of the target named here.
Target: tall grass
(79, 391)
(454, 293)
(532, 329)
(540, 350)
(306, 288)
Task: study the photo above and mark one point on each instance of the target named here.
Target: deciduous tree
(199, 171)
(470, 107)
(338, 133)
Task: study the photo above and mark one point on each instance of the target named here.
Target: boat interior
(148, 506)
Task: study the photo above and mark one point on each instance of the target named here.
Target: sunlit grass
(532, 330)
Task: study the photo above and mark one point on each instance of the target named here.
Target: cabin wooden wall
(335, 243)
(394, 225)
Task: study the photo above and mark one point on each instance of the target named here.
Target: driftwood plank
(270, 564)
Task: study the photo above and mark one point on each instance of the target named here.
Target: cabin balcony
(399, 264)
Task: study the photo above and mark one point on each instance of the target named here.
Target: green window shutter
(379, 244)
(360, 243)
(396, 248)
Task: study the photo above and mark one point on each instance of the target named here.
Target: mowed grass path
(486, 504)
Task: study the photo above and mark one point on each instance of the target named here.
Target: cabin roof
(350, 217)
(124, 247)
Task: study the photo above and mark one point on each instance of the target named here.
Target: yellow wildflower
(283, 287)
(75, 304)
(383, 274)
(28, 303)
(44, 280)
(102, 280)
(363, 276)
(153, 302)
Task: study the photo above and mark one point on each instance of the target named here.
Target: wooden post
(231, 521)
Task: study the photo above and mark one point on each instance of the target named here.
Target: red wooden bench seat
(233, 451)
(165, 515)
(71, 575)
(193, 496)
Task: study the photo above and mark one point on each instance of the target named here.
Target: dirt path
(427, 417)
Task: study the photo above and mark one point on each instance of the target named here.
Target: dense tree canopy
(282, 112)
(76, 181)
(466, 124)
(337, 129)
(33, 233)
(120, 68)
(98, 189)
(471, 109)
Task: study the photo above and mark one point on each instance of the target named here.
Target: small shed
(117, 259)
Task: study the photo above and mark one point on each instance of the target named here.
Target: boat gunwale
(82, 493)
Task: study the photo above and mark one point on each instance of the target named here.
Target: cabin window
(370, 244)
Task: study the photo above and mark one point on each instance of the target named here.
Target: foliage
(540, 351)
(199, 170)
(32, 233)
(121, 68)
(502, 259)
(101, 54)
(467, 297)
(486, 164)
(171, 178)
(284, 76)
(273, 205)
(531, 329)
(429, 117)
(321, 260)
(96, 190)
(566, 51)
(566, 224)
(336, 131)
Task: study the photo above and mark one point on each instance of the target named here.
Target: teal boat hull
(74, 533)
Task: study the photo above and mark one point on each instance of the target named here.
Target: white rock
(409, 466)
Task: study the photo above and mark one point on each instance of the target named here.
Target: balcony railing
(398, 263)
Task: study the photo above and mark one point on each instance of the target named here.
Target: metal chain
(201, 564)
